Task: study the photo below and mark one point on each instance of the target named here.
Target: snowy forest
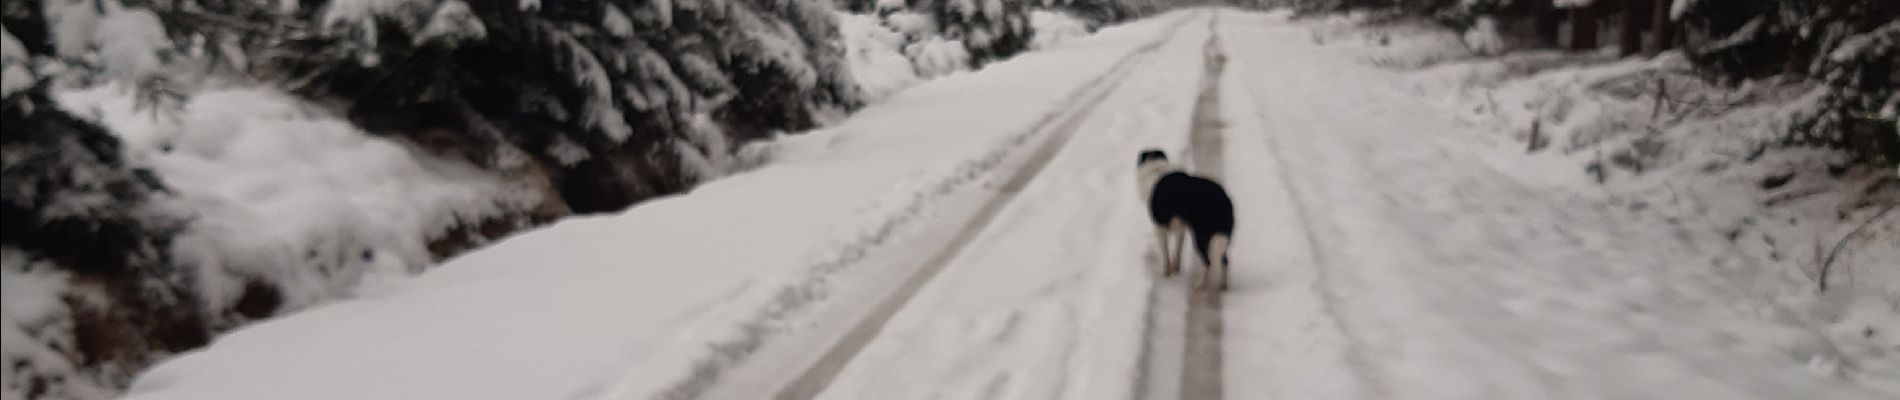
(174, 169)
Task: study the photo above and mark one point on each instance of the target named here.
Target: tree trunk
(1663, 30)
(1630, 40)
(1549, 22)
(1583, 28)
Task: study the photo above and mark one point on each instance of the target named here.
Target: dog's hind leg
(1217, 258)
(1161, 238)
(1179, 231)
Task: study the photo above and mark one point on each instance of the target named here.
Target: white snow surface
(1390, 245)
(639, 302)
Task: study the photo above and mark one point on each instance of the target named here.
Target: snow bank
(667, 294)
(279, 194)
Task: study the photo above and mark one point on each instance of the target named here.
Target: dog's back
(1201, 203)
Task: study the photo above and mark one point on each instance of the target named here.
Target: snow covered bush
(894, 49)
(1415, 7)
(991, 29)
(943, 36)
(1100, 12)
(288, 207)
(935, 56)
(987, 29)
(1054, 27)
(875, 55)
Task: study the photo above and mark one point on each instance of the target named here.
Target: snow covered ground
(1456, 268)
(1386, 248)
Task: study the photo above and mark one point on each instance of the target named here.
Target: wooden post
(1583, 28)
(1663, 29)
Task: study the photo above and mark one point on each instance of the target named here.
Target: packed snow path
(1061, 128)
(1201, 357)
(979, 237)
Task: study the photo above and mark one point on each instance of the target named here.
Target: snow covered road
(1052, 301)
(979, 237)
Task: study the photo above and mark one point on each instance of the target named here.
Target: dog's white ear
(1150, 155)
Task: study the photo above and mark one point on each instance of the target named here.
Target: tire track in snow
(1060, 127)
(1181, 356)
(1201, 354)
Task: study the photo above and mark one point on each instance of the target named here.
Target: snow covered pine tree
(622, 100)
(1850, 45)
(610, 102)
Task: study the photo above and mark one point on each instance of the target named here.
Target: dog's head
(1149, 166)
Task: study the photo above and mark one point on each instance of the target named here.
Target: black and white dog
(1178, 201)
